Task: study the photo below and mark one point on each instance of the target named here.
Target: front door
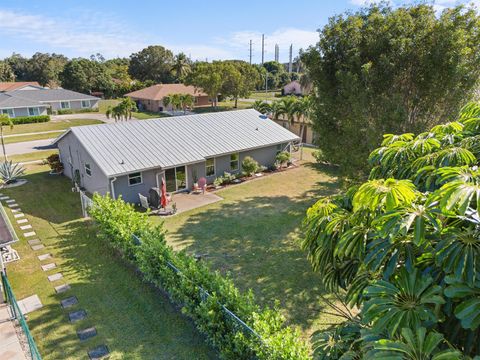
(170, 180)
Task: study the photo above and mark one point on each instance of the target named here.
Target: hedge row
(118, 221)
(30, 119)
(76, 111)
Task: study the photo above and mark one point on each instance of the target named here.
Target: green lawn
(103, 105)
(254, 234)
(47, 126)
(261, 95)
(37, 155)
(135, 321)
(16, 139)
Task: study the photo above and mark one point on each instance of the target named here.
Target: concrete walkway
(10, 347)
(28, 146)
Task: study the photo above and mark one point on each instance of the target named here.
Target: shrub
(9, 172)
(55, 163)
(30, 119)
(76, 111)
(227, 178)
(283, 158)
(201, 292)
(249, 166)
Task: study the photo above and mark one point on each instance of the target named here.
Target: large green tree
(152, 63)
(6, 72)
(208, 77)
(239, 79)
(46, 68)
(385, 70)
(85, 76)
(404, 247)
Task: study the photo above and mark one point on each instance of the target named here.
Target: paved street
(28, 146)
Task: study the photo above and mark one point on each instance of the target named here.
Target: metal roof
(8, 101)
(51, 95)
(130, 146)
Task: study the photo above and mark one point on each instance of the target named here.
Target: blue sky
(211, 29)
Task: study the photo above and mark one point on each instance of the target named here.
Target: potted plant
(55, 164)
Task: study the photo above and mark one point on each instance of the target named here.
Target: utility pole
(290, 59)
(277, 53)
(263, 48)
(250, 52)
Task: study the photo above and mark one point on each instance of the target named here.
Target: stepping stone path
(98, 353)
(33, 302)
(55, 277)
(44, 257)
(62, 288)
(87, 333)
(77, 315)
(48, 267)
(69, 302)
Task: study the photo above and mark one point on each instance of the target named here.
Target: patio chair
(144, 201)
(202, 184)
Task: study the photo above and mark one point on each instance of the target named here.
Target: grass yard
(22, 138)
(37, 155)
(135, 321)
(103, 105)
(48, 126)
(254, 234)
(261, 95)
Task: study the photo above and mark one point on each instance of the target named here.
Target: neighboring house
(22, 102)
(293, 88)
(151, 98)
(129, 158)
(19, 85)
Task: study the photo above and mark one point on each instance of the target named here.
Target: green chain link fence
(17, 314)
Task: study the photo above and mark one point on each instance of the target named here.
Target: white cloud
(86, 34)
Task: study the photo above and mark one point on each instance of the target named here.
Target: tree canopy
(404, 247)
(85, 76)
(383, 70)
(152, 63)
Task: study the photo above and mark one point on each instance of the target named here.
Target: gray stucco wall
(73, 156)
(130, 193)
(74, 105)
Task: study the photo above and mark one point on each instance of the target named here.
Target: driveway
(28, 146)
(94, 116)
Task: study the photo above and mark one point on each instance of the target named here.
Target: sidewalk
(10, 347)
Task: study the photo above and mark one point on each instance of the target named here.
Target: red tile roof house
(151, 98)
(19, 85)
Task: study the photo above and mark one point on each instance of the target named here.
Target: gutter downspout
(112, 187)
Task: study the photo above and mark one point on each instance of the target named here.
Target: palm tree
(262, 106)
(176, 102)
(167, 100)
(187, 101)
(128, 106)
(181, 66)
(4, 120)
(288, 107)
(304, 113)
(275, 110)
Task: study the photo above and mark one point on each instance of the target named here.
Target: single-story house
(151, 98)
(294, 88)
(19, 85)
(38, 101)
(129, 158)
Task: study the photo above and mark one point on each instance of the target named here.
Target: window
(65, 104)
(88, 170)
(85, 103)
(210, 167)
(33, 111)
(8, 112)
(234, 158)
(135, 178)
(279, 148)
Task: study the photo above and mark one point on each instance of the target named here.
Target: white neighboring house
(33, 101)
(293, 88)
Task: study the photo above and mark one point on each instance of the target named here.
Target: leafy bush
(30, 119)
(318, 155)
(249, 166)
(187, 282)
(404, 246)
(55, 163)
(76, 111)
(9, 172)
(283, 158)
(227, 178)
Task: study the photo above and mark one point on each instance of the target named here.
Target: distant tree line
(152, 65)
